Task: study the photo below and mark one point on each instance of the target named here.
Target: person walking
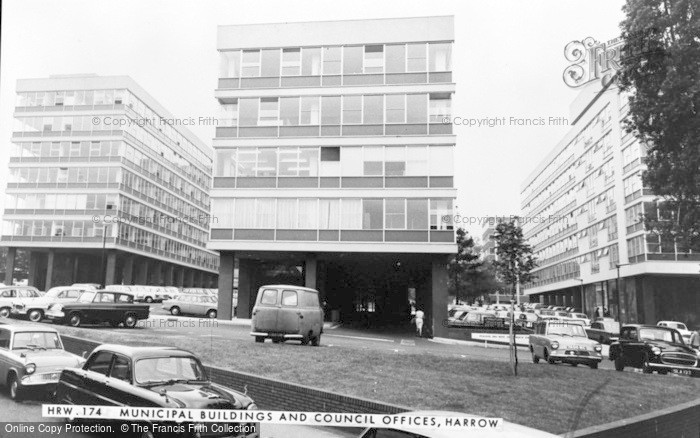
(418, 318)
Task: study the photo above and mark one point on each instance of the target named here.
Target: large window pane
(396, 214)
(372, 214)
(373, 110)
(222, 211)
(351, 218)
(265, 213)
(289, 111)
(441, 160)
(396, 58)
(440, 107)
(329, 214)
(352, 109)
(244, 215)
(288, 161)
(308, 215)
(415, 57)
(250, 65)
(395, 161)
(417, 108)
(286, 213)
(330, 110)
(417, 214)
(291, 62)
(417, 161)
(352, 60)
(310, 114)
(373, 161)
(247, 159)
(308, 162)
(331, 60)
(248, 112)
(440, 56)
(270, 63)
(351, 161)
(269, 111)
(441, 214)
(229, 114)
(267, 162)
(226, 162)
(395, 108)
(374, 59)
(311, 62)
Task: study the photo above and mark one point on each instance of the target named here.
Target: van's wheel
(535, 358)
(36, 315)
(316, 340)
(130, 321)
(14, 389)
(211, 314)
(619, 363)
(547, 357)
(74, 319)
(5, 312)
(593, 365)
(114, 324)
(259, 339)
(175, 311)
(305, 340)
(645, 365)
(276, 340)
(149, 300)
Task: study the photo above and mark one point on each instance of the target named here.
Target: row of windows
(33, 175)
(103, 149)
(336, 110)
(334, 214)
(182, 226)
(109, 97)
(334, 60)
(146, 188)
(418, 160)
(61, 201)
(70, 228)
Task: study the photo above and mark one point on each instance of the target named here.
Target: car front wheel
(316, 341)
(547, 358)
(175, 310)
(36, 315)
(5, 312)
(619, 363)
(74, 320)
(14, 388)
(130, 321)
(211, 314)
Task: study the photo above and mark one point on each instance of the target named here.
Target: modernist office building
(334, 167)
(587, 196)
(103, 186)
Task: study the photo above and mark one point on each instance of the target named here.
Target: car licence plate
(682, 372)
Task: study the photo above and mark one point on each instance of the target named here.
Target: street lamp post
(104, 244)
(619, 292)
(583, 298)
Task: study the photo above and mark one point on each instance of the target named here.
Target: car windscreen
(28, 293)
(566, 330)
(87, 297)
(36, 340)
(654, 334)
(164, 369)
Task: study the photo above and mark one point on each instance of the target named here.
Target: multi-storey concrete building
(583, 206)
(334, 167)
(104, 186)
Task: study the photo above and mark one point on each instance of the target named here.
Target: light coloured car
(582, 317)
(564, 341)
(192, 304)
(32, 356)
(682, 329)
(399, 430)
(283, 312)
(35, 308)
(10, 294)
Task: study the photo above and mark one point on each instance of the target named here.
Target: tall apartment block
(334, 167)
(583, 206)
(104, 186)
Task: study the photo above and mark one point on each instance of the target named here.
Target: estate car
(284, 312)
(10, 294)
(564, 341)
(653, 348)
(32, 357)
(35, 308)
(100, 306)
(191, 304)
(146, 375)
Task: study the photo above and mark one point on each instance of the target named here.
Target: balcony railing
(336, 80)
(311, 235)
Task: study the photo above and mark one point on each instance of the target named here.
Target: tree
(463, 266)
(514, 265)
(660, 69)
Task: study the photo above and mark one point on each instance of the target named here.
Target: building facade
(104, 187)
(584, 204)
(334, 164)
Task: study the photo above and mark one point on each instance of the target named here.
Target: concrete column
(244, 288)
(157, 277)
(189, 277)
(128, 270)
(111, 268)
(49, 270)
(76, 265)
(438, 295)
(10, 265)
(33, 268)
(169, 270)
(199, 279)
(225, 309)
(310, 271)
(180, 276)
(142, 278)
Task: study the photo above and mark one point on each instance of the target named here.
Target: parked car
(10, 294)
(604, 331)
(582, 317)
(190, 304)
(156, 376)
(527, 319)
(35, 308)
(654, 348)
(682, 329)
(479, 319)
(564, 341)
(401, 430)
(284, 312)
(100, 306)
(32, 357)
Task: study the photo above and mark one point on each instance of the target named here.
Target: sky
(508, 60)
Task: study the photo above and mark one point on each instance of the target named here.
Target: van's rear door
(289, 312)
(266, 310)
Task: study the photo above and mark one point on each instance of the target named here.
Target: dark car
(654, 348)
(100, 306)
(153, 376)
(604, 331)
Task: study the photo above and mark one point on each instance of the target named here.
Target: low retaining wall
(682, 421)
(491, 336)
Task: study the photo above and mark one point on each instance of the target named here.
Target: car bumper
(275, 335)
(18, 312)
(55, 316)
(570, 356)
(675, 369)
(48, 380)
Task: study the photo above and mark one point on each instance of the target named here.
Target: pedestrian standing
(418, 318)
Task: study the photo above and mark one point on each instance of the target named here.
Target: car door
(90, 384)
(266, 310)
(5, 355)
(119, 389)
(289, 318)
